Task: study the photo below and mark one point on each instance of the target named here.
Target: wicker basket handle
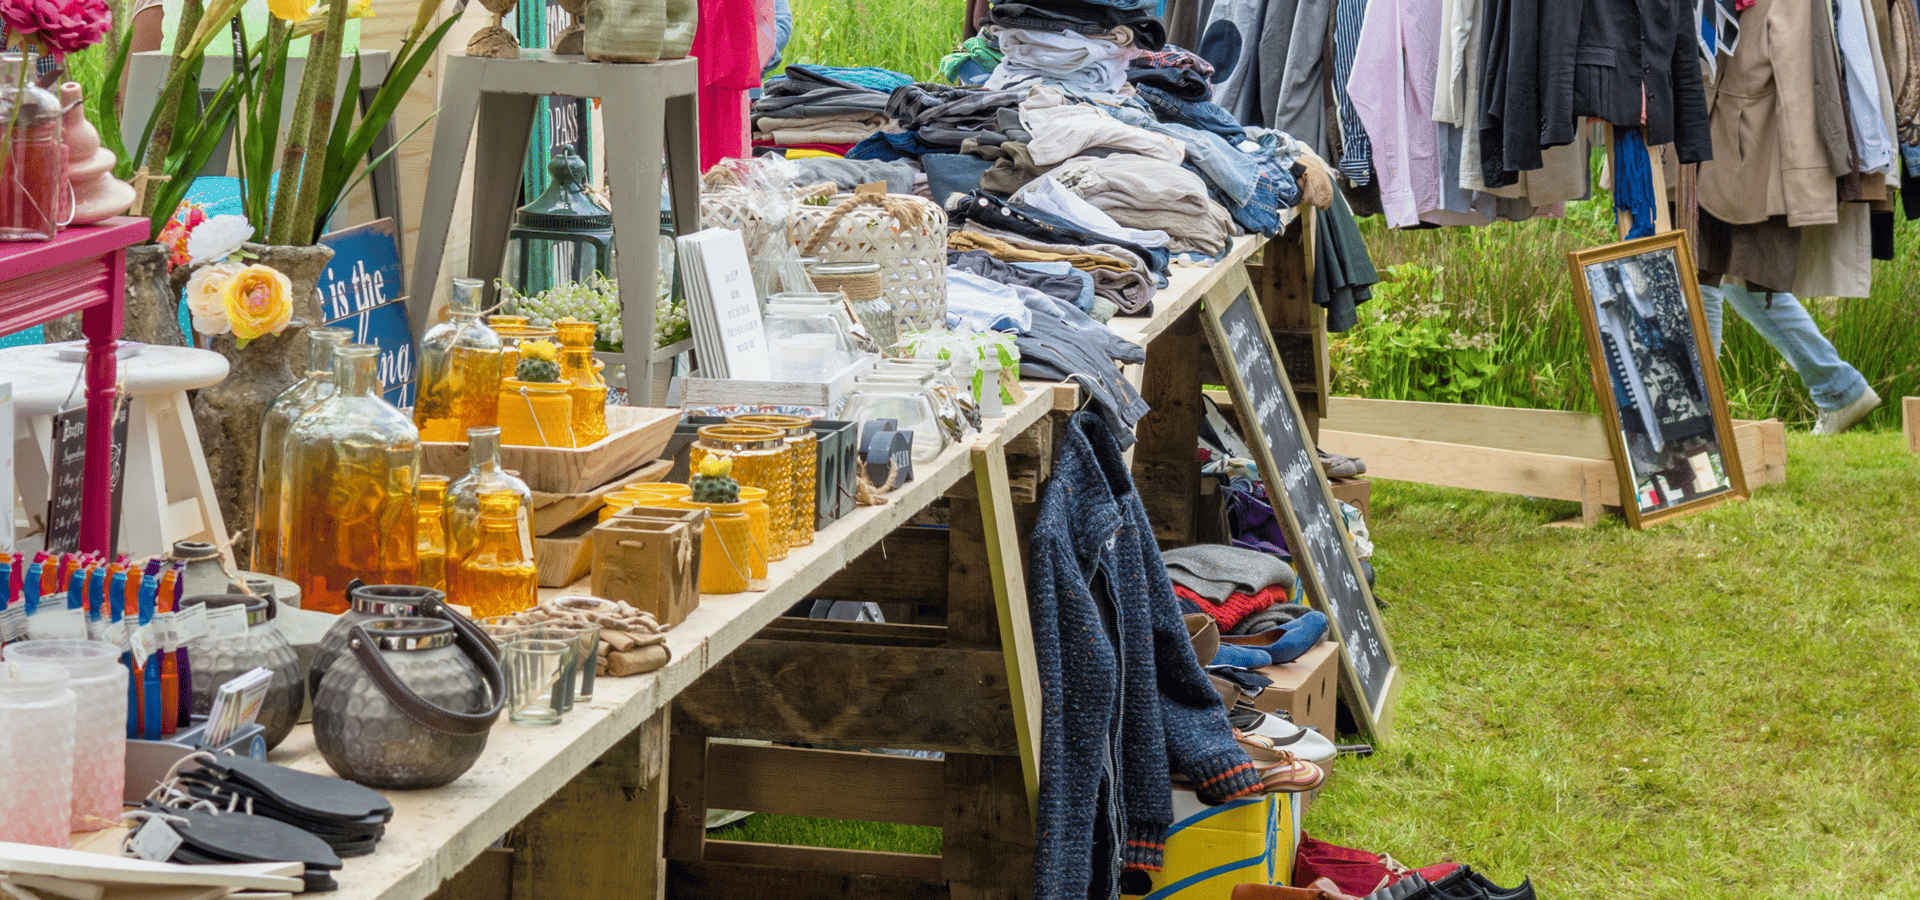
(904, 209)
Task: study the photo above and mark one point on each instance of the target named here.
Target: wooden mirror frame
(1617, 262)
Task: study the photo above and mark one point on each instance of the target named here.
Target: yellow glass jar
(760, 516)
(498, 578)
(806, 465)
(728, 558)
(512, 330)
(630, 497)
(536, 413)
(430, 538)
(577, 368)
(761, 458)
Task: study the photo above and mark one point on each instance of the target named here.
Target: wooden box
(651, 563)
(565, 556)
(824, 396)
(635, 434)
(551, 512)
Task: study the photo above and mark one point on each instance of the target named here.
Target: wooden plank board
(826, 859)
(79, 865)
(1007, 563)
(600, 834)
(1546, 431)
(733, 881)
(833, 784)
(1166, 472)
(1910, 421)
(987, 840)
(853, 696)
(909, 565)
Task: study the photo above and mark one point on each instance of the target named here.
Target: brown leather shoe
(1323, 889)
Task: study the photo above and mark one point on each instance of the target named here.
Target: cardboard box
(1212, 848)
(1304, 689)
(1355, 492)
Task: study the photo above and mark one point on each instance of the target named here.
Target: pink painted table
(84, 270)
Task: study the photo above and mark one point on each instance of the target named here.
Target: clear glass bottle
(463, 497)
(763, 459)
(350, 480)
(430, 539)
(460, 371)
(315, 386)
(589, 392)
(498, 577)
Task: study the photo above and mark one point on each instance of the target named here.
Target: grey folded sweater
(1216, 571)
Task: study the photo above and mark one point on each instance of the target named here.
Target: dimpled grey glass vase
(366, 602)
(216, 660)
(406, 707)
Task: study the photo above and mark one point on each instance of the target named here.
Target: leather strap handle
(471, 641)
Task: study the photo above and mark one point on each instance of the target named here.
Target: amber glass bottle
(316, 386)
(589, 392)
(351, 473)
(460, 371)
(498, 577)
(430, 540)
(463, 497)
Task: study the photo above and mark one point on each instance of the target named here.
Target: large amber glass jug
(460, 371)
(806, 464)
(498, 577)
(430, 537)
(315, 386)
(463, 496)
(761, 458)
(589, 392)
(351, 473)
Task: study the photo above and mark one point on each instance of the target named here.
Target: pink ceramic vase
(97, 195)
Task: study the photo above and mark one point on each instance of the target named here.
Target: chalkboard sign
(64, 494)
(1323, 555)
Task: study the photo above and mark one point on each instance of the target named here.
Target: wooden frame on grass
(1665, 410)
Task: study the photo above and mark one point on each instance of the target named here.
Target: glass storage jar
(460, 370)
(908, 403)
(422, 724)
(315, 386)
(761, 458)
(350, 479)
(806, 466)
(99, 758)
(806, 340)
(34, 185)
(38, 713)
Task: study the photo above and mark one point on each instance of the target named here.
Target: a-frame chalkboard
(1323, 555)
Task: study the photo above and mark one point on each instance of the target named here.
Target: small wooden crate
(635, 434)
(650, 561)
(552, 512)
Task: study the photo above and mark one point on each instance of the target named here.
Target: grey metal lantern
(564, 235)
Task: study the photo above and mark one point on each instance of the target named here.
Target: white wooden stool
(168, 496)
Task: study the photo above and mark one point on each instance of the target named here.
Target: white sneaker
(1299, 740)
(1834, 421)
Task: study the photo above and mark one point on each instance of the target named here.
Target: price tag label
(120, 634)
(143, 641)
(57, 624)
(226, 621)
(191, 624)
(155, 841)
(13, 623)
(166, 636)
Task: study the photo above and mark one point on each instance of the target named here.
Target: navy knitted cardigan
(1124, 698)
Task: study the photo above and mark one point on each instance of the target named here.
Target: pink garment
(1394, 68)
(729, 47)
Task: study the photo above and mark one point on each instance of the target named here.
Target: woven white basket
(905, 234)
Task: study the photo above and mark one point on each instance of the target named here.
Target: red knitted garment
(1238, 605)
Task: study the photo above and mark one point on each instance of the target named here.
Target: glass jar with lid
(908, 404)
(762, 458)
(806, 463)
(33, 171)
(807, 340)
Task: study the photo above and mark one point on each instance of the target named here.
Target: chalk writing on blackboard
(66, 494)
(1322, 549)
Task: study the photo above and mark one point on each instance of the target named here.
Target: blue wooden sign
(364, 291)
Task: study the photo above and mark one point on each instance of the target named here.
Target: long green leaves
(348, 148)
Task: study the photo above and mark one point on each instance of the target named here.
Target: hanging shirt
(1392, 91)
(1867, 96)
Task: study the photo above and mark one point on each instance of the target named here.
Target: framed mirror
(1654, 372)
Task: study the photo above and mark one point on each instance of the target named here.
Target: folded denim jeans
(1202, 114)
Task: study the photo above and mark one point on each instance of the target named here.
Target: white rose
(203, 297)
(217, 238)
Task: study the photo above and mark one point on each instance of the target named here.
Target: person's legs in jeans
(1830, 380)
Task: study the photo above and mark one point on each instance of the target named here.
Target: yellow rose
(289, 10)
(206, 297)
(259, 300)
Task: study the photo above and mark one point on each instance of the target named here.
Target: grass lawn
(1719, 707)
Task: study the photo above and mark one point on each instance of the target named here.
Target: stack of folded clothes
(810, 109)
(1178, 71)
(1092, 63)
(1228, 583)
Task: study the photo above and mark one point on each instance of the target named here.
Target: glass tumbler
(99, 758)
(37, 718)
(534, 669)
(586, 653)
